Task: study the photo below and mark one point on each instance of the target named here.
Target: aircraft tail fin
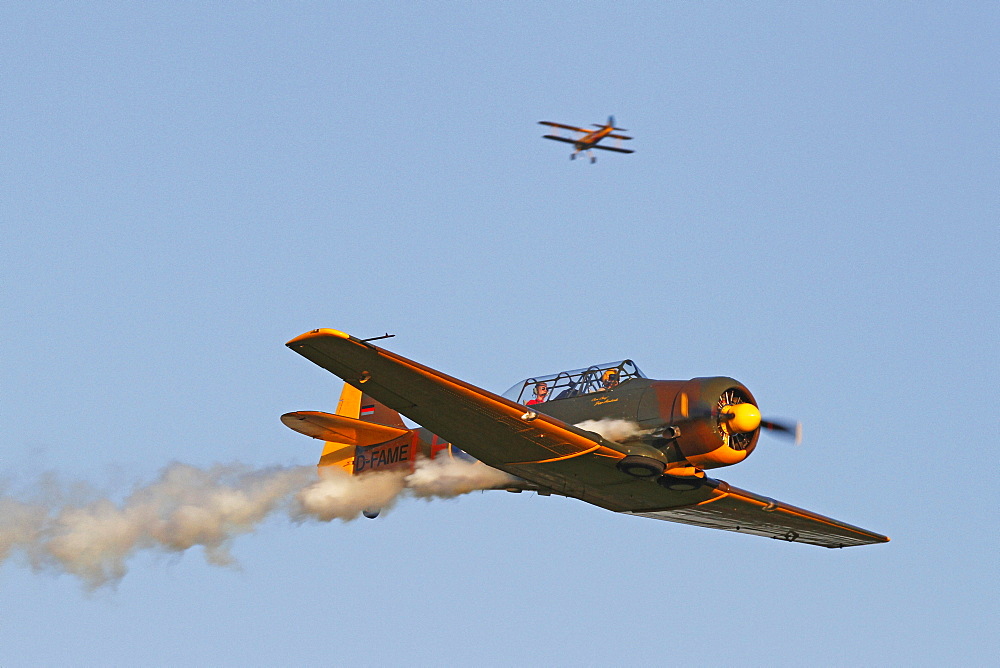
(370, 410)
(611, 124)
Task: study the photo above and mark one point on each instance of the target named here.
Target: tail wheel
(641, 467)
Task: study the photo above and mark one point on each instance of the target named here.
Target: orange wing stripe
(559, 459)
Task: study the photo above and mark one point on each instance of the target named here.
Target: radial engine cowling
(718, 419)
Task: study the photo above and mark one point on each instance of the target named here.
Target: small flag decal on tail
(367, 410)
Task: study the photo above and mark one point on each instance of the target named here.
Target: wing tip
(876, 539)
(318, 333)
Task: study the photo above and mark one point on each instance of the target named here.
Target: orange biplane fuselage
(591, 138)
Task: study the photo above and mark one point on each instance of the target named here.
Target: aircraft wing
(552, 454)
(487, 426)
(734, 509)
(558, 138)
(565, 127)
(613, 148)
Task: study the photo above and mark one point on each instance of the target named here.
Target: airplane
(544, 432)
(590, 138)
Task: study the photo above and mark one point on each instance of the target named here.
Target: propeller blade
(792, 430)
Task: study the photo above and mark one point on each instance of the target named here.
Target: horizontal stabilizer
(619, 136)
(613, 148)
(327, 427)
(558, 138)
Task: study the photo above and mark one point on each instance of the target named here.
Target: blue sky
(812, 208)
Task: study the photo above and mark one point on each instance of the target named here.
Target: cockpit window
(565, 384)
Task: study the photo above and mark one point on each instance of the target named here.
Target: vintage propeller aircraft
(590, 138)
(674, 430)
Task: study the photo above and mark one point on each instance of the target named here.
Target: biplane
(546, 433)
(590, 139)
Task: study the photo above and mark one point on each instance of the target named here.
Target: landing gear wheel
(680, 483)
(641, 467)
(371, 514)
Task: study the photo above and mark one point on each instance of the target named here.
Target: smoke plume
(614, 430)
(187, 506)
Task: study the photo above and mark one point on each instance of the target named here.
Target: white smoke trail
(614, 430)
(340, 495)
(187, 507)
(447, 477)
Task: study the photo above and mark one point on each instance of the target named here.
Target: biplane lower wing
(558, 138)
(556, 456)
(613, 148)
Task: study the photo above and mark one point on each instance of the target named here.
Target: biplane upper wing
(556, 456)
(565, 127)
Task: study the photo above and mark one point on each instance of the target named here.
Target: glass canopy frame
(566, 384)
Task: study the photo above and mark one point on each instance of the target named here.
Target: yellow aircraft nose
(744, 418)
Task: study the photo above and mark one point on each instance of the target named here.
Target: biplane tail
(611, 124)
(362, 436)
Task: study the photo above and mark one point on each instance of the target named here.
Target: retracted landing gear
(641, 467)
(371, 514)
(681, 483)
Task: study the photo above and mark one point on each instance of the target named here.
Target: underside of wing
(558, 138)
(564, 127)
(613, 148)
(734, 509)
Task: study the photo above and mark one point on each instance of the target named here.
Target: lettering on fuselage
(392, 455)
(604, 400)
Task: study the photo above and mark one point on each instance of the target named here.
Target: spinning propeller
(743, 418)
(739, 418)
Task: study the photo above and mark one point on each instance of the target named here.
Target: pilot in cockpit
(609, 379)
(541, 394)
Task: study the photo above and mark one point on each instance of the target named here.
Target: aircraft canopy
(565, 384)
